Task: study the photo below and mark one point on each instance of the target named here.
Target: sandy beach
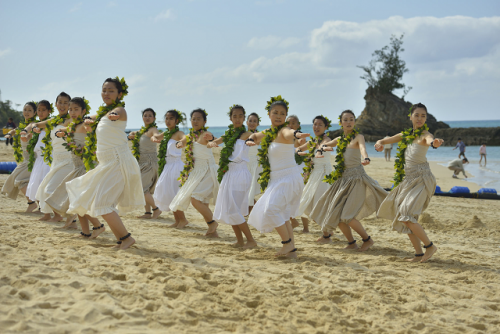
(177, 281)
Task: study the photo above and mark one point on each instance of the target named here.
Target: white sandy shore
(177, 281)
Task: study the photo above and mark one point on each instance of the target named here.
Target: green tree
(385, 71)
(7, 111)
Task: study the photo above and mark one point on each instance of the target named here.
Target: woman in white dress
(315, 169)
(36, 165)
(199, 176)
(234, 177)
(114, 186)
(294, 124)
(170, 165)
(75, 135)
(253, 122)
(280, 178)
(19, 179)
(144, 150)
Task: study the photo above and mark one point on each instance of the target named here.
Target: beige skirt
(410, 198)
(17, 180)
(354, 196)
(59, 200)
(148, 162)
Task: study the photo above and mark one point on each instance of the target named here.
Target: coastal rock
(470, 136)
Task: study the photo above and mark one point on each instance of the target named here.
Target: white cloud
(76, 7)
(5, 52)
(268, 42)
(165, 15)
(112, 4)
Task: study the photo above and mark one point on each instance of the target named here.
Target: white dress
(61, 166)
(281, 199)
(232, 204)
(115, 184)
(168, 184)
(315, 187)
(40, 169)
(255, 169)
(202, 182)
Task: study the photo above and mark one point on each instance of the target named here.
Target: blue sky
(212, 54)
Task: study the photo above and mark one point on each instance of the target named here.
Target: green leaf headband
(87, 105)
(181, 116)
(206, 114)
(124, 86)
(340, 120)
(51, 109)
(232, 107)
(328, 122)
(275, 99)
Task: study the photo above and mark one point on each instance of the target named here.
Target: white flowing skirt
(232, 205)
(62, 165)
(168, 186)
(279, 202)
(314, 189)
(113, 186)
(40, 170)
(255, 169)
(201, 184)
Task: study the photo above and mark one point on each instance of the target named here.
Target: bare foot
(45, 217)
(366, 245)
(96, 232)
(145, 216)
(412, 259)
(428, 253)
(287, 248)
(183, 223)
(156, 213)
(238, 244)
(212, 228)
(38, 212)
(173, 225)
(322, 240)
(353, 246)
(250, 244)
(57, 218)
(292, 255)
(127, 243)
(294, 222)
(304, 231)
(212, 235)
(31, 207)
(71, 225)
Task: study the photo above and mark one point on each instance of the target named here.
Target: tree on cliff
(385, 71)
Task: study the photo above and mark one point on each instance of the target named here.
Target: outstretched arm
(157, 138)
(255, 138)
(181, 142)
(379, 145)
(362, 149)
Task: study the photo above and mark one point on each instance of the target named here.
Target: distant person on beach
(482, 153)
(461, 146)
(457, 166)
(10, 125)
(387, 149)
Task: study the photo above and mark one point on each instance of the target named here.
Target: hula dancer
(253, 122)
(144, 150)
(235, 179)
(75, 141)
(19, 179)
(353, 195)
(315, 169)
(294, 124)
(199, 177)
(170, 165)
(38, 168)
(414, 183)
(115, 184)
(280, 178)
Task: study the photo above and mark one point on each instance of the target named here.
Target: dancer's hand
(178, 144)
(301, 153)
(378, 146)
(155, 138)
(24, 136)
(326, 148)
(113, 116)
(37, 129)
(303, 135)
(211, 144)
(365, 162)
(250, 143)
(131, 136)
(437, 142)
(207, 136)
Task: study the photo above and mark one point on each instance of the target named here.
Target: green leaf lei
(135, 142)
(16, 144)
(70, 143)
(162, 152)
(31, 149)
(339, 159)
(311, 146)
(271, 135)
(47, 141)
(189, 165)
(229, 140)
(407, 138)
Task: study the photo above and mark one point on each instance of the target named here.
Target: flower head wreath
(233, 107)
(275, 99)
(328, 122)
(124, 87)
(87, 105)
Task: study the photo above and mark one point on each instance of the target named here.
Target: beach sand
(177, 281)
